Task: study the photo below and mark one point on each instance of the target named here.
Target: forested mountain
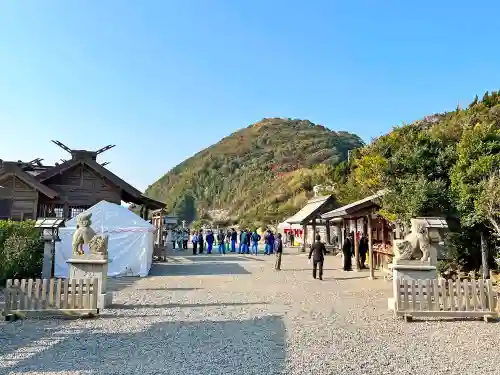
(258, 174)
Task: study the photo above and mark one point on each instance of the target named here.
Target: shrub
(21, 250)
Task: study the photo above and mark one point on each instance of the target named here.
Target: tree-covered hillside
(259, 174)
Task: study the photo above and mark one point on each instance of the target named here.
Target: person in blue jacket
(271, 242)
(255, 242)
(234, 237)
(194, 240)
(210, 241)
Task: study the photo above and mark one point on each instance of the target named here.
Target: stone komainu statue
(416, 242)
(85, 235)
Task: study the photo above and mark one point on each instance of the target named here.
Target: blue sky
(164, 79)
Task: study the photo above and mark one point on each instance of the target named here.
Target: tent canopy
(130, 246)
(107, 217)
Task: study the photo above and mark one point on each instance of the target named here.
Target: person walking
(220, 241)
(210, 241)
(363, 249)
(194, 240)
(278, 249)
(347, 253)
(317, 252)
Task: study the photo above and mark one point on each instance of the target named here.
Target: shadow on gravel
(217, 258)
(181, 305)
(191, 269)
(348, 278)
(255, 346)
(36, 332)
(173, 289)
(307, 269)
(115, 284)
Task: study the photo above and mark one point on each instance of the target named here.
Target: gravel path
(235, 315)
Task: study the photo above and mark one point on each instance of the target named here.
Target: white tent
(130, 246)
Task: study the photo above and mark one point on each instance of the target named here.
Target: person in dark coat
(210, 238)
(317, 252)
(244, 239)
(278, 249)
(201, 244)
(234, 237)
(347, 252)
(363, 249)
(271, 242)
(220, 241)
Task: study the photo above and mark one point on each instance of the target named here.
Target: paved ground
(234, 315)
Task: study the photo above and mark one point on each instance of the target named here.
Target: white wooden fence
(35, 297)
(446, 298)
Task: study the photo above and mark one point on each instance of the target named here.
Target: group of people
(348, 250)
(246, 242)
(179, 238)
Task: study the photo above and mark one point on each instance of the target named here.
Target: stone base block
(104, 300)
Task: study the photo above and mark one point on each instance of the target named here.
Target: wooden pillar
(304, 237)
(370, 247)
(160, 227)
(66, 211)
(340, 234)
(328, 234)
(314, 231)
(356, 244)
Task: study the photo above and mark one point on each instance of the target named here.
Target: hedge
(21, 250)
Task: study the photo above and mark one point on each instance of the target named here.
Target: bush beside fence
(21, 250)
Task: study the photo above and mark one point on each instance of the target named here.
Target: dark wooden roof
(313, 208)
(12, 168)
(58, 169)
(353, 208)
(130, 193)
(152, 203)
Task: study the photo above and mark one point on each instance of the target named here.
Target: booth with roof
(130, 246)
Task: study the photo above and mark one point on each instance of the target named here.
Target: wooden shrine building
(361, 217)
(310, 217)
(32, 190)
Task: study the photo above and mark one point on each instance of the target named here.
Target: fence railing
(446, 298)
(31, 297)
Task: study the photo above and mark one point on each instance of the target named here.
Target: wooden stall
(64, 190)
(310, 219)
(361, 217)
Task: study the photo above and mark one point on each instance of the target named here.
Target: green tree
(472, 178)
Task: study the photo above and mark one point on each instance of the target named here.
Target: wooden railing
(34, 297)
(446, 298)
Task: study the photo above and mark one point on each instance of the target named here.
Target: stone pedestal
(409, 270)
(88, 267)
